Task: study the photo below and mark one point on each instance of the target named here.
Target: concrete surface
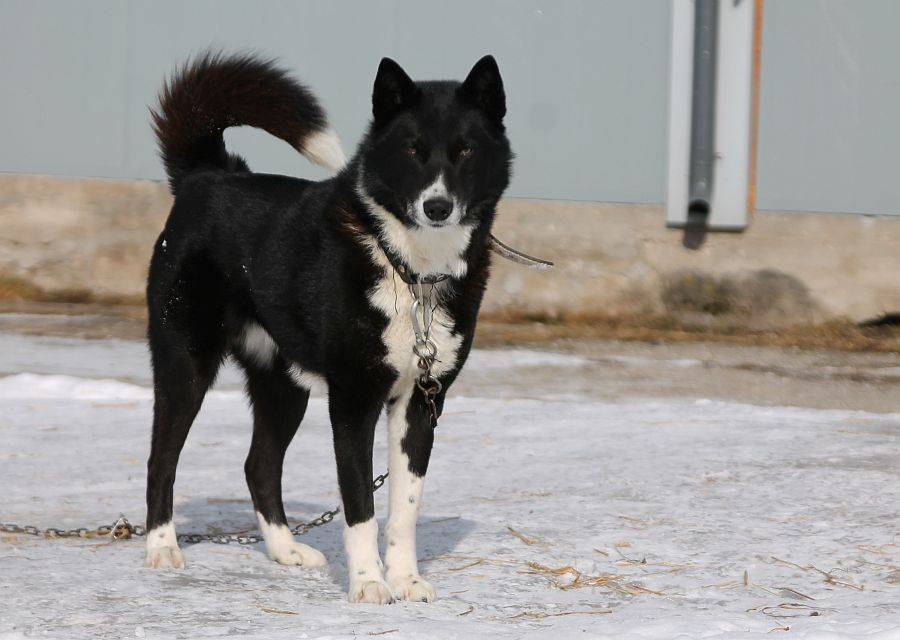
(612, 259)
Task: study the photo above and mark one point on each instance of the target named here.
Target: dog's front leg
(410, 438)
(353, 418)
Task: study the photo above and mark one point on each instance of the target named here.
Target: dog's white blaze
(308, 380)
(162, 547)
(405, 491)
(257, 345)
(426, 250)
(324, 149)
(282, 547)
(364, 564)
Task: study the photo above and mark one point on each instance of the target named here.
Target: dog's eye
(412, 151)
(465, 152)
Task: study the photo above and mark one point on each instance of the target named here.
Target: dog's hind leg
(278, 407)
(181, 379)
(187, 344)
(410, 438)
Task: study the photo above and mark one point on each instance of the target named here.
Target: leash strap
(514, 255)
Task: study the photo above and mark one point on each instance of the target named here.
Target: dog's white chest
(393, 298)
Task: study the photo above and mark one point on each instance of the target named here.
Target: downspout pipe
(703, 112)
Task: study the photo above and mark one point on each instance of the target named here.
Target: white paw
(297, 553)
(164, 557)
(411, 587)
(372, 591)
(283, 549)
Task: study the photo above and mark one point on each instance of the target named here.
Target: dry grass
(827, 576)
(539, 615)
(522, 536)
(564, 578)
(279, 611)
(568, 577)
(13, 288)
(840, 335)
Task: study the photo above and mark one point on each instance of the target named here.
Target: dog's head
(436, 155)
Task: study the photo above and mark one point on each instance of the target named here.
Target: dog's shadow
(437, 535)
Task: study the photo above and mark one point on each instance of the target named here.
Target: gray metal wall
(586, 80)
(830, 106)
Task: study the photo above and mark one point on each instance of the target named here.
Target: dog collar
(406, 274)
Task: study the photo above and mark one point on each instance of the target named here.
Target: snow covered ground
(550, 510)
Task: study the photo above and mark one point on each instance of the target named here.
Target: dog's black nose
(437, 209)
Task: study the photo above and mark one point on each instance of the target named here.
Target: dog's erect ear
(483, 88)
(394, 91)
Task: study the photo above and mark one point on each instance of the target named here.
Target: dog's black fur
(292, 256)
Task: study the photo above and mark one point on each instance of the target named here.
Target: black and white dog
(305, 283)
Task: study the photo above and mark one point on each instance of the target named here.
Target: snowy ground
(550, 510)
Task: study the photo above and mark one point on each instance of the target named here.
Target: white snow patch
(30, 386)
(513, 358)
(639, 361)
(33, 386)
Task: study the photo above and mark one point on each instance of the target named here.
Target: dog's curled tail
(214, 92)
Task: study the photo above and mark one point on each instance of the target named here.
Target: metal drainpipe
(703, 112)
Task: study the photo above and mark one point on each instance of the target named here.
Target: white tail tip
(324, 149)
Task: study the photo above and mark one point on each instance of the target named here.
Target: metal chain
(424, 348)
(122, 529)
(53, 532)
